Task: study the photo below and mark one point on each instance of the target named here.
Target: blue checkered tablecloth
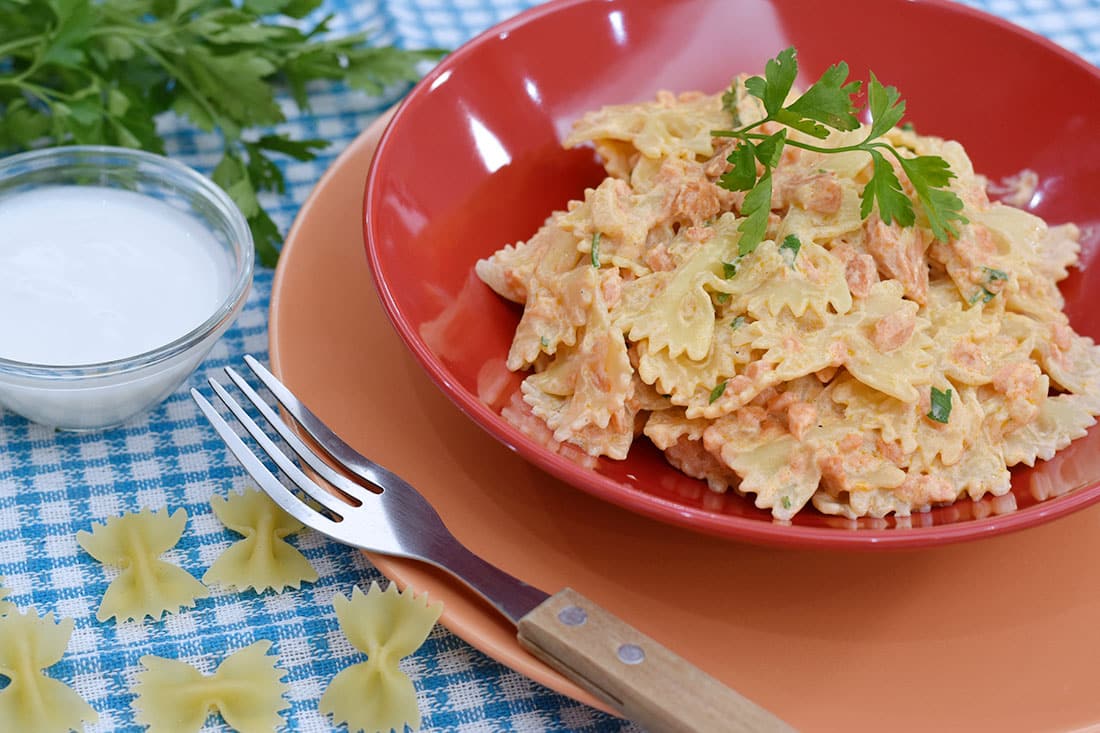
(53, 484)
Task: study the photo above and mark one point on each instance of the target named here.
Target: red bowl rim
(728, 526)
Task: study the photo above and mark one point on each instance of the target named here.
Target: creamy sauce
(91, 274)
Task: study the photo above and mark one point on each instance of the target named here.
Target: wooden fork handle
(652, 686)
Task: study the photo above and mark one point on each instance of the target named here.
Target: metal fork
(380, 512)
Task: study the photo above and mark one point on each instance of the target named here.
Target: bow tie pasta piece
(1062, 419)
(810, 280)
(247, 690)
(147, 586)
(684, 378)
(618, 221)
(671, 126)
(263, 559)
(32, 701)
(510, 271)
(584, 394)
(676, 311)
(376, 695)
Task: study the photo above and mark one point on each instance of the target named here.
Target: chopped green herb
(827, 104)
(789, 249)
(908, 127)
(737, 322)
(596, 250)
(717, 392)
(786, 502)
(722, 298)
(941, 406)
(545, 342)
(993, 275)
(729, 102)
(983, 295)
(729, 269)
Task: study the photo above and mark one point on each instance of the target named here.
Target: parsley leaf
(742, 176)
(825, 106)
(736, 323)
(829, 101)
(941, 406)
(789, 249)
(596, 250)
(729, 269)
(885, 188)
(779, 76)
(756, 208)
(885, 106)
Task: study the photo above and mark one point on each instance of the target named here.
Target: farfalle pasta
(33, 701)
(247, 690)
(147, 586)
(846, 363)
(263, 560)
(376, 695)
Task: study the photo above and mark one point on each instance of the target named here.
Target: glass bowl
(99, 395)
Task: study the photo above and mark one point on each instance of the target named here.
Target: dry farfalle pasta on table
(147, 586)
(32, 701)
(376, 695)
(799, 306)
(247, 690)
(263, 560)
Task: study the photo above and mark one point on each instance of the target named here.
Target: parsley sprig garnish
(99, 72)
(825, 106)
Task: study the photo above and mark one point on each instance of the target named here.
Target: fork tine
(259, 472)
(343, 453)
(303, 482)
(341, 482)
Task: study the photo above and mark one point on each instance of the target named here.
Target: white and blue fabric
(53, 484)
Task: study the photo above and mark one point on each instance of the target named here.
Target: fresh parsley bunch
(100, 71)
(825, 106)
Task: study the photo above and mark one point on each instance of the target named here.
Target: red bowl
(473, 160)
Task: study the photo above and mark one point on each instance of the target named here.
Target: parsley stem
(172, 69)
(17, 44)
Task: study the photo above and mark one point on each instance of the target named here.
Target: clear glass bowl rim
(242, 237)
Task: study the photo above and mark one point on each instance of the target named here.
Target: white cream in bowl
(119, 270)
(93, 274)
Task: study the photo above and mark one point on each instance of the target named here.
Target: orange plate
(999, 634)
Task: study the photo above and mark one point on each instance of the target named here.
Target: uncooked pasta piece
(32, 701)
(376, 695)
(262, 560)
(147, 586)
(247, 690)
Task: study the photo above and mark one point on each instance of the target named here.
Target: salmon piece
(819, 192)
(899, 255)
(860, 270)
(893, 330)
(923, 489)
(1016, 380)
(800, 417)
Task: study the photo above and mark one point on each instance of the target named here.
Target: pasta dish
(849, 363)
